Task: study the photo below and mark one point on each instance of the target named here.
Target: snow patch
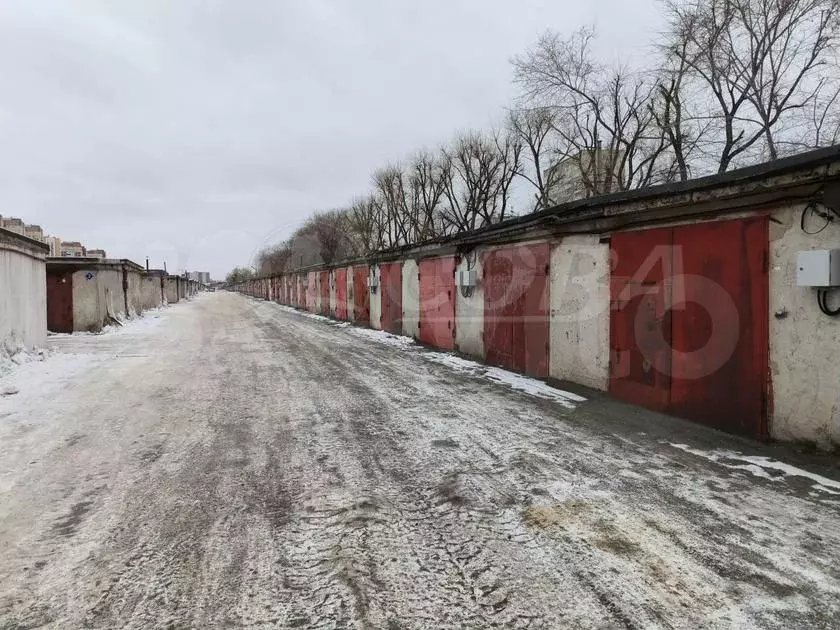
(380, 336)
(758, 466)
(515, 381)
(33, 381)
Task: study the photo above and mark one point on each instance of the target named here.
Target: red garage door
(689, 325)
(361, 296)
(516, 308)
(390, 282)
(341, 294)
(312, 291)
(60, 302)
(437, 302)
(325, 293)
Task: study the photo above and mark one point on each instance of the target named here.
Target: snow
(35, 380)
(380, 336)
(759, 465)
(515, 381)
(525, 384)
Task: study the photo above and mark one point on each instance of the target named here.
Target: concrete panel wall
(469, 310)
(171, 289)
(804, 342)
(411, 299)
(580, 311)
(150, 292)
(23, 299)
(134, 292)
(375, 299)
(97, 296)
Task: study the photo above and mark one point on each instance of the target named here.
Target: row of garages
(680, 298)
(39, 293)
(85, 294)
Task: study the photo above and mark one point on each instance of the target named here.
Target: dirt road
(232, 464)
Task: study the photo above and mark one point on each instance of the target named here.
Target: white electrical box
(818, 268)
(467, 278)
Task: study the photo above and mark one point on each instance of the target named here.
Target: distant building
(13, 224)
(96, 253)
(590, 173)
(72, 249)
(199, 276)
(34, 232)
(55, 245)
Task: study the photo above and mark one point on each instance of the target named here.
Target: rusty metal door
(361, 296)
(640, 328)
(516, 308)
(719, 319)
(498, 327)
(312, 292)
(60, 302)
(437, 302)
(390, 283)
(689, 325)
(325, 293)
(341, 294)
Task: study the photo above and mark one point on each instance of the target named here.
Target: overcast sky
(196, 131)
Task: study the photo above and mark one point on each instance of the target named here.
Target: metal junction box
(467, 278)
(818, 268)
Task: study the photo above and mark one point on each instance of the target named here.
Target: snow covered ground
(237, 464)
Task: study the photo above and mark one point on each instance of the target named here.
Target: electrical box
(467, 278)
(373, 280)
(818, 268)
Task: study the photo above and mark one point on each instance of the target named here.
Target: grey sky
(198, 130)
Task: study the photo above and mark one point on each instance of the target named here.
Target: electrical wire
(822, 301)
(812, 209)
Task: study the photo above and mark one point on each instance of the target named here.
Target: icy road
(228, 463)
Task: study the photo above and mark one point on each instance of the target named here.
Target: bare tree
(608, 136)
(478, 172)
(239, 274)
(366, 226)
(330, 230)
(756, 60)
(274, 260)
(536, 128)
(427, 184)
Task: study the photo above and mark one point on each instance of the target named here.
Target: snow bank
(525, 384)
(758, 466)
(34, 380)
(380, 336)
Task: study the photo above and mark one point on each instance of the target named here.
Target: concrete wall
(23, 296)
(375, 299)
(804, 342)
(171, 289)
(579, 291)
(469, 311)
(97, 296)
(411, 298)
(150, 292)
(134, 292)
(351, 302)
